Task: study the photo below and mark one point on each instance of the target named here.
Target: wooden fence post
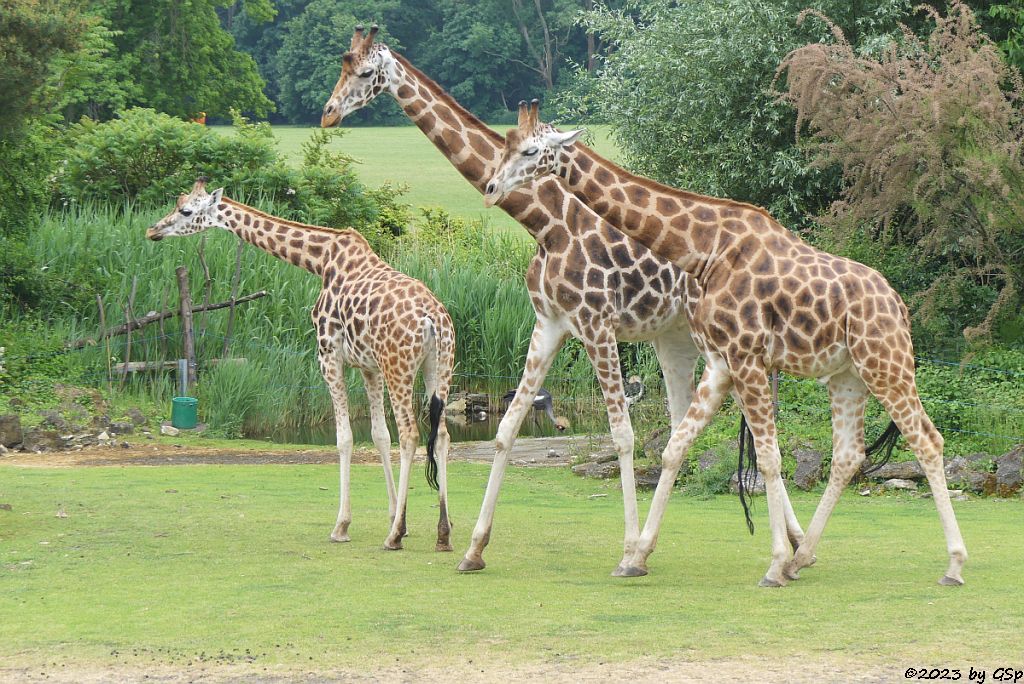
(188, 332)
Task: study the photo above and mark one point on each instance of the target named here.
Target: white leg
(604, 356)
(711, 392)
(848, 396)
(334, 374)
(408, 437)
(374, 382)
(677, 356)
(544, 345)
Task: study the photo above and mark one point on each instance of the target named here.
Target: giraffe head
(532, 150)
(194, 213)
(366, 71)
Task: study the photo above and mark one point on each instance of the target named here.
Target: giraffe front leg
(545, 342)
(333, 372)
(374, 382)
(604, 356)
(711, 392)
(848, 396)
(751, 381)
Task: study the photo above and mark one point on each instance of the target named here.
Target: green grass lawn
(403, 155)
(170, 563)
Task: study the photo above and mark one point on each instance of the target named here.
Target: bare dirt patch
(532, 452)
(794, 670)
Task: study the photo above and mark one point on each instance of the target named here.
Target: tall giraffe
(587, 280)
(767, 300)
(368, 316)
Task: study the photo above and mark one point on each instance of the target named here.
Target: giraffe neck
(683, 227)
(467, 142)
(308, 247)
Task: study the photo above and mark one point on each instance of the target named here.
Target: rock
(135, 415)
(552, 453)
(605, 457)
(647, 478)
(38, 439)
(708, 460)
(53, 419)
(456, 405)
(6, 507)
(122, 428)
(103, 436)
(751, 487)
(903, 470)
(865, 492)
(808, 468)
(3, 450)
(1008, 472)
(10, 430)
(101, 421)
(897, 483)
(169, 430)
(654, 445)
(600, 471)
(960, 472)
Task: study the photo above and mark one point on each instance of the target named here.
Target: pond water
(585, 421)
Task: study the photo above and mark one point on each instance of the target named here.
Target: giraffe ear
(215, 196)
(560, 139)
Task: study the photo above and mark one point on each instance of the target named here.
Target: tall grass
(480, 281)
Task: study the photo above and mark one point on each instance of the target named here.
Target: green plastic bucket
(184, 412)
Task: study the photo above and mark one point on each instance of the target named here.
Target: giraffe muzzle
(492, 195)
(154, 234)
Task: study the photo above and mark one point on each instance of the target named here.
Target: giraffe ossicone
(587, 280)
(368, 316)
(766, 301)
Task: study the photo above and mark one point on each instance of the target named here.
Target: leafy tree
(308, 62)
(686, 89)
(96, 80)
(182, 60)
(32, 34)
(929, 147)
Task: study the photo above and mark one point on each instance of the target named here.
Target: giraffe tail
(746, 469)
(436, 415)
(880, 451)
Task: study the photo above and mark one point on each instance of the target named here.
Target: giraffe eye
(185, 212)
(530, 152)
(365, 73)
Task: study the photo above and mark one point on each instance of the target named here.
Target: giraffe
(587, 280)
(368, 316)
(767, 300)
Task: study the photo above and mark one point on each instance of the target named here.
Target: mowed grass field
(403, 155)
(184, 565)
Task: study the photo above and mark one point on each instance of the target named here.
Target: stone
(53, 419)
(39, 439)
(101, 421)
(961, 472)
(103, 436)
(708, 460)
(600, 471)
(10, 430)
(654, 445)
(897, 483)
(3, 450)
(122, 428)
(903, 470)
(751, 487)
(135, 415)
(456, 405)
(6, 507)
(647, 478)
(1008, 472)
(169, 430)
(808, 468)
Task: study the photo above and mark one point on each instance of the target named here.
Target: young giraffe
(767, 301)
(586, 280)
(368, 316)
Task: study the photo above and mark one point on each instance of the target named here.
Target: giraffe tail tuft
(436, 415)
(880, 451)
(746, 470)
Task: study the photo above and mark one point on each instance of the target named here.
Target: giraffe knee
(622, 437)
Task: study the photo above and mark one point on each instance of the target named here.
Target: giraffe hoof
(948, 581)
(340, 538)
(443, 546)
(472, 564)
(769, 583)
(629, 571)
(792, 573)
(393, 546)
